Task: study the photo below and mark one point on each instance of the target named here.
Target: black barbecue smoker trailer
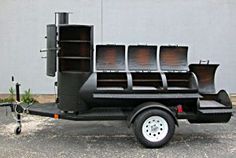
(149, 91)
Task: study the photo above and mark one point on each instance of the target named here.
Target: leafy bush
(25, 98)
(28, 98)
(11, 98)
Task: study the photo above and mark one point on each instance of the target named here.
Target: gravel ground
(45, 137)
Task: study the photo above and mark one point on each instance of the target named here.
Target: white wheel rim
(155, 128)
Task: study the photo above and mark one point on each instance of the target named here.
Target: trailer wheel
(17, 130)
(154, 128)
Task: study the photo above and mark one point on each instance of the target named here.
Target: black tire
(18, 130)
(142, 117)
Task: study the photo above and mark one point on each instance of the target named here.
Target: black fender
(146, 106)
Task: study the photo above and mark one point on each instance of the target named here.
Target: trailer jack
(17, 111)
(18, 127)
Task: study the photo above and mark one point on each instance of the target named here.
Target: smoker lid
(174, 58)
(110, 57)
(205, 74)
(142, 58)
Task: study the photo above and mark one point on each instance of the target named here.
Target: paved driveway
(45, 137)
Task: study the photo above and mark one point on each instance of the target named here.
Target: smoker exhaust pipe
(62, 17)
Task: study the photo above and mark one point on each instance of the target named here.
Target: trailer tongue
(133, 85)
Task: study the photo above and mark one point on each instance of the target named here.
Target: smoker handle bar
(204, 61)
(45, 50)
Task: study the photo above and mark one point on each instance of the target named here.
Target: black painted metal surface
(174, 58)
(51, 109)
(142, 58)
(206, 77)
(75, 65)
(63, 17)
(51, 50)
(110, 57)
(127, 79)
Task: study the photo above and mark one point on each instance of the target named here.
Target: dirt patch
(45, 98)
(30, 125)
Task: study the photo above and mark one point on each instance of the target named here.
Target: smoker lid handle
(204, 61)
(45, 50)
